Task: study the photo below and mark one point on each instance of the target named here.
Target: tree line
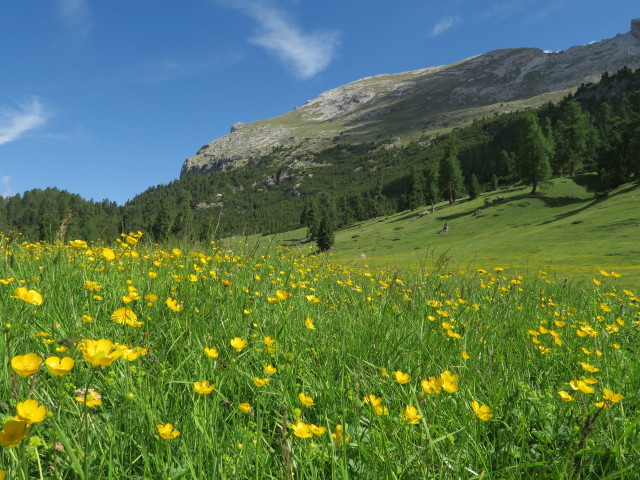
(596, 129)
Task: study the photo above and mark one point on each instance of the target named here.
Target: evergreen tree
(450, 173)
(534, 152)
(572, 134)
(473, 186)
(415, 194)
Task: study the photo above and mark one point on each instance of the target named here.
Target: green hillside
(564, 231)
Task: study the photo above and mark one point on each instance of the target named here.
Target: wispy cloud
(304, 53)
(5, 186)
(14, 122)
(505, 10)
(76, 15)
(444, 24)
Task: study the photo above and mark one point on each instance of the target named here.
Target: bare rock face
(387, 106)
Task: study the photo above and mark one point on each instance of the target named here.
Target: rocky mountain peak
(416, 102)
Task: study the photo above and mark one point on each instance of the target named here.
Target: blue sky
(107, 98)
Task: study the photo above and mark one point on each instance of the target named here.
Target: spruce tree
(451, 181)
(534, 152)
(415, 194)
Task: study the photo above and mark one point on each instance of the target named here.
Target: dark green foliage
(534, 153)
(597, 129)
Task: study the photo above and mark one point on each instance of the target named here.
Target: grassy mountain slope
(563, 230)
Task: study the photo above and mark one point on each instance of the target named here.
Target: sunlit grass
(260, 362)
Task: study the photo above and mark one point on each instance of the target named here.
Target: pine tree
(415, 194)
(450, 172)
(572, 133)
(473, 186)
(534, 152)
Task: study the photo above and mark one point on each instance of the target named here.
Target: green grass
(512, 341)
(564, 231)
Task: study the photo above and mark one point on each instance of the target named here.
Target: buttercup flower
(167, 431)
(339, 435)
(482, 412)
(100, 353)
(124, 315)
(376, 404)
(261, 382)
(411, 415)
(204, 387)
(581, 385)
(30, 411)
(211, 352)
(108, 254)
(173, 305)
(402, 378)
(238, 343)
(564, 395)
(59, 367)
(29, 296)
(13, 432)
(25, 365)
(90, 397)
(301, 430)
(306, 400)
(309, 323)
(317, 430)
(245, 407)
(270, 369)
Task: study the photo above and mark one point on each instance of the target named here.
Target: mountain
(404, 106)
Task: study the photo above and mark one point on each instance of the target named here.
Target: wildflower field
(139, 361)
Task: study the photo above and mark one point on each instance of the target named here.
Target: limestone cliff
(416, 102)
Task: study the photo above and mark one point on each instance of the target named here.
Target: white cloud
(5, 186)
(77, 16)
(444, 25)
(304, 53)
(15, 122)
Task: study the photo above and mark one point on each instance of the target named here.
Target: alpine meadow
(425, 275)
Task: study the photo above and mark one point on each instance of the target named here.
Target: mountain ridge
(419, 102)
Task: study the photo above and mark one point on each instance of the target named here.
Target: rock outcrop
(410, 103)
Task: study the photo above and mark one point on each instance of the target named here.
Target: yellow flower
(211, 352)
(245, 407)
(610, 396)
(309, 323)
(564, 395)
(78, 243)
(411, 415)
(317, 430)
(270, 369)
(90, 397)
(402, 378)
(449, 381)
(100, 353)
(203, 388)
(581, 385)
(173, 304)
(13, 432)
(313, 299)
(589, 368)
(59, 367)
(261, 382)
(339, 436)
(306, 400)
(282, 295)
(124, 315)
(238, 343)
(29, 296)
(301, 430)
(465, 355)
(268, 341)
(482, 412)
(432, 385)
(376, 404)
(108, 254)
(30, 411)
(167, 431)
(25, 365)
